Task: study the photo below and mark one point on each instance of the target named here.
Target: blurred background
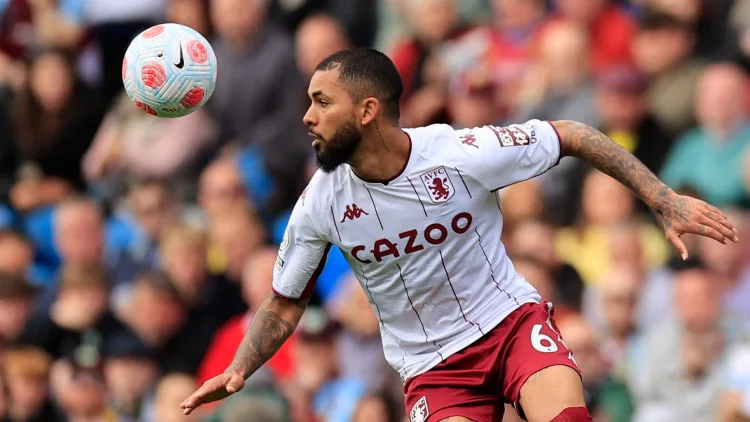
(134, 250)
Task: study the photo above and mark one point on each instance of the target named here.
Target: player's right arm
(301, 258)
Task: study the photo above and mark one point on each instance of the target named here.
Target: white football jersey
(425, 246)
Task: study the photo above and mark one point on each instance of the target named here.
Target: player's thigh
(548, 392)
(456, 389)
(540, 375)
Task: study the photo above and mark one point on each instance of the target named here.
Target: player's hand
(681, 214)
(215, 389)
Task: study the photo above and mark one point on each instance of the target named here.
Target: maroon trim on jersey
(376, 208)
(492, 271)
(415, 193)
(461, 308)
(401, 275)
(463, 181)
(307, 292)
(559, 141)
(403, 169)
(333, 216)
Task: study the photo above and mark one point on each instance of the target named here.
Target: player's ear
(369, 111)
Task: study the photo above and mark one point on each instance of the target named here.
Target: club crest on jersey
(438, 185)
(420, 412)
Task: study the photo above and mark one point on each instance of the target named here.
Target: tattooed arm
(678, 214)
(272, 325)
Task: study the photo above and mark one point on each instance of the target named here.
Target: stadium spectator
(331, 397)
(130, 370)
(516, 29)
(265, 114)
(169, 393)
(538, 276)
(256, 286)
(78, 318)
(735, 400)
(129, 143)
(559, 86)
(80, 390)
(622, 106)
(676, 373)
(730, 267)
(33, 24)
(610, 28)
(55, 119)
(606, 396)
(711, 159)
(184, 258)
(318, 37)
(536, 240)
(604, 204)
(16, 304)
(155, 314)
(417, 59)
(376, 407)
(16, 253)
(221, 186)
(612, 309)
(662, 50)
(234, 234)
(26, 370)
(212, 195)
(359, 337)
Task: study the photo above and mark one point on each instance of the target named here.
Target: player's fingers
(725, 231)
(706, 231)
(235, 384)
(678, 245)
(717, 215)
(192, 402)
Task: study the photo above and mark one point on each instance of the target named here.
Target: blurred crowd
(134, 250)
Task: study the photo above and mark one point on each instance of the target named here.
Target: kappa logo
(353, 212)
(303, 195)
(420, 412)
(470, 140)
(438, 185)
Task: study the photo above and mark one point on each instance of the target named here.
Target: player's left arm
(678, 214)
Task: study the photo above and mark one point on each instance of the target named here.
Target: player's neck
(383, 154)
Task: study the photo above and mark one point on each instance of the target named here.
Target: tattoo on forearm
(607, 156)
(263, 339)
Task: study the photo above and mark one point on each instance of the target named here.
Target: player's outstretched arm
(678, 214)
(272, 325)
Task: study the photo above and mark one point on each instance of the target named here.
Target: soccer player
(415, 213)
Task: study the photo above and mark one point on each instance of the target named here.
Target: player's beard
(339, 148)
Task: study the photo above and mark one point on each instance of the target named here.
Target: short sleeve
(302, 254)
(501, 156)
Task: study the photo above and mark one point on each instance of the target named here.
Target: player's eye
(323, 103)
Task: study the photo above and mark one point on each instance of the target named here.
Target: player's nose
(309, 118)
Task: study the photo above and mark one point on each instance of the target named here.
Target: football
(169, 70)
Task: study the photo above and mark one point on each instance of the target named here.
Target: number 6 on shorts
(542, 342)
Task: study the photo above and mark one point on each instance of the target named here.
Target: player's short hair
(368, 73)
